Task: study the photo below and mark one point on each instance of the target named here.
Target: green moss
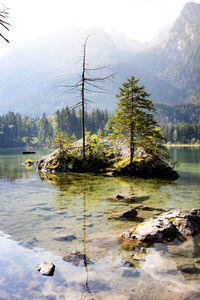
(135, 227)
(120, 162)
(172, 219)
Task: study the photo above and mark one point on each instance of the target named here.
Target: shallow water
(46, 217)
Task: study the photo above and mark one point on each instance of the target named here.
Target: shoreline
(181, 145)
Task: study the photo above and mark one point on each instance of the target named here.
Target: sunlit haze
(138, 19)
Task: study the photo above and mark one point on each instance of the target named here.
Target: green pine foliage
(133, 121)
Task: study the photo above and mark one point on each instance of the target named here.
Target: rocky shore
(168, 226)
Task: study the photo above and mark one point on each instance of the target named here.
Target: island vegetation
(133, 145)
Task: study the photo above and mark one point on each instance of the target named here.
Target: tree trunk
(132, 145)
(83, 99)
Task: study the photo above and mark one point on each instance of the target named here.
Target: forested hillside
(180, 123)
(18, 131)
(180, 113)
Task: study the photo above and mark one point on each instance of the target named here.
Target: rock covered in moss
(150, 166)
(61, 161)
(165, 227)
(58, 161)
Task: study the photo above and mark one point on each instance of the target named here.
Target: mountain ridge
(31, 75)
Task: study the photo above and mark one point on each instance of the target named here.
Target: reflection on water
(11, 161)
(61, 213)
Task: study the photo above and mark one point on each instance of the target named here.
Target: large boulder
(165, 227)
(149, 166)
(58, 161)
(61, 161)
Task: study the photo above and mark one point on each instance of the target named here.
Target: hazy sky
(138, 19)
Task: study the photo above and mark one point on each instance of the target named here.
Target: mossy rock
(149, 167)
(60, 161)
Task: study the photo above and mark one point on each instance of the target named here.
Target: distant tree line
(182, 133)
(179, 113)
(180, 124)
(18, 131)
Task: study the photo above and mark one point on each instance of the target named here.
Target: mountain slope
(182, 51)
(30, 75)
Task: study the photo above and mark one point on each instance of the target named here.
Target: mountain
(160, 37)
(182, 51)
(32, 75)
(171, 70)
(124, 43)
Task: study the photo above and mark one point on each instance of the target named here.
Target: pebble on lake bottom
(46, 268)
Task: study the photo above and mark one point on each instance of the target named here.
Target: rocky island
(145, 165)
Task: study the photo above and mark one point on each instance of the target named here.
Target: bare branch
(71, 91)
(96, 91)
(96, 69)
(69, 86)
(85, 42)
(66, 93)
(4, 15)
(87, 100)
(98, 87)
(78, 104)
(4, 38)
(101, 78)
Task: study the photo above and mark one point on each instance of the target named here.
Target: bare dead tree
(86, 85)
(3, 21)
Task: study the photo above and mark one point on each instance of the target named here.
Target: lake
(44, 218)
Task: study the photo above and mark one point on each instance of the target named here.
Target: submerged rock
(129, 198)
(188, 268)
(67, 238)
(195, 212)
(165, 227)
(92, 297)
(119, 197)
(76, 258)
(130, 214)
(46, 268)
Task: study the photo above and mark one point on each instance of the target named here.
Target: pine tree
(133, 122)
(45, 131)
